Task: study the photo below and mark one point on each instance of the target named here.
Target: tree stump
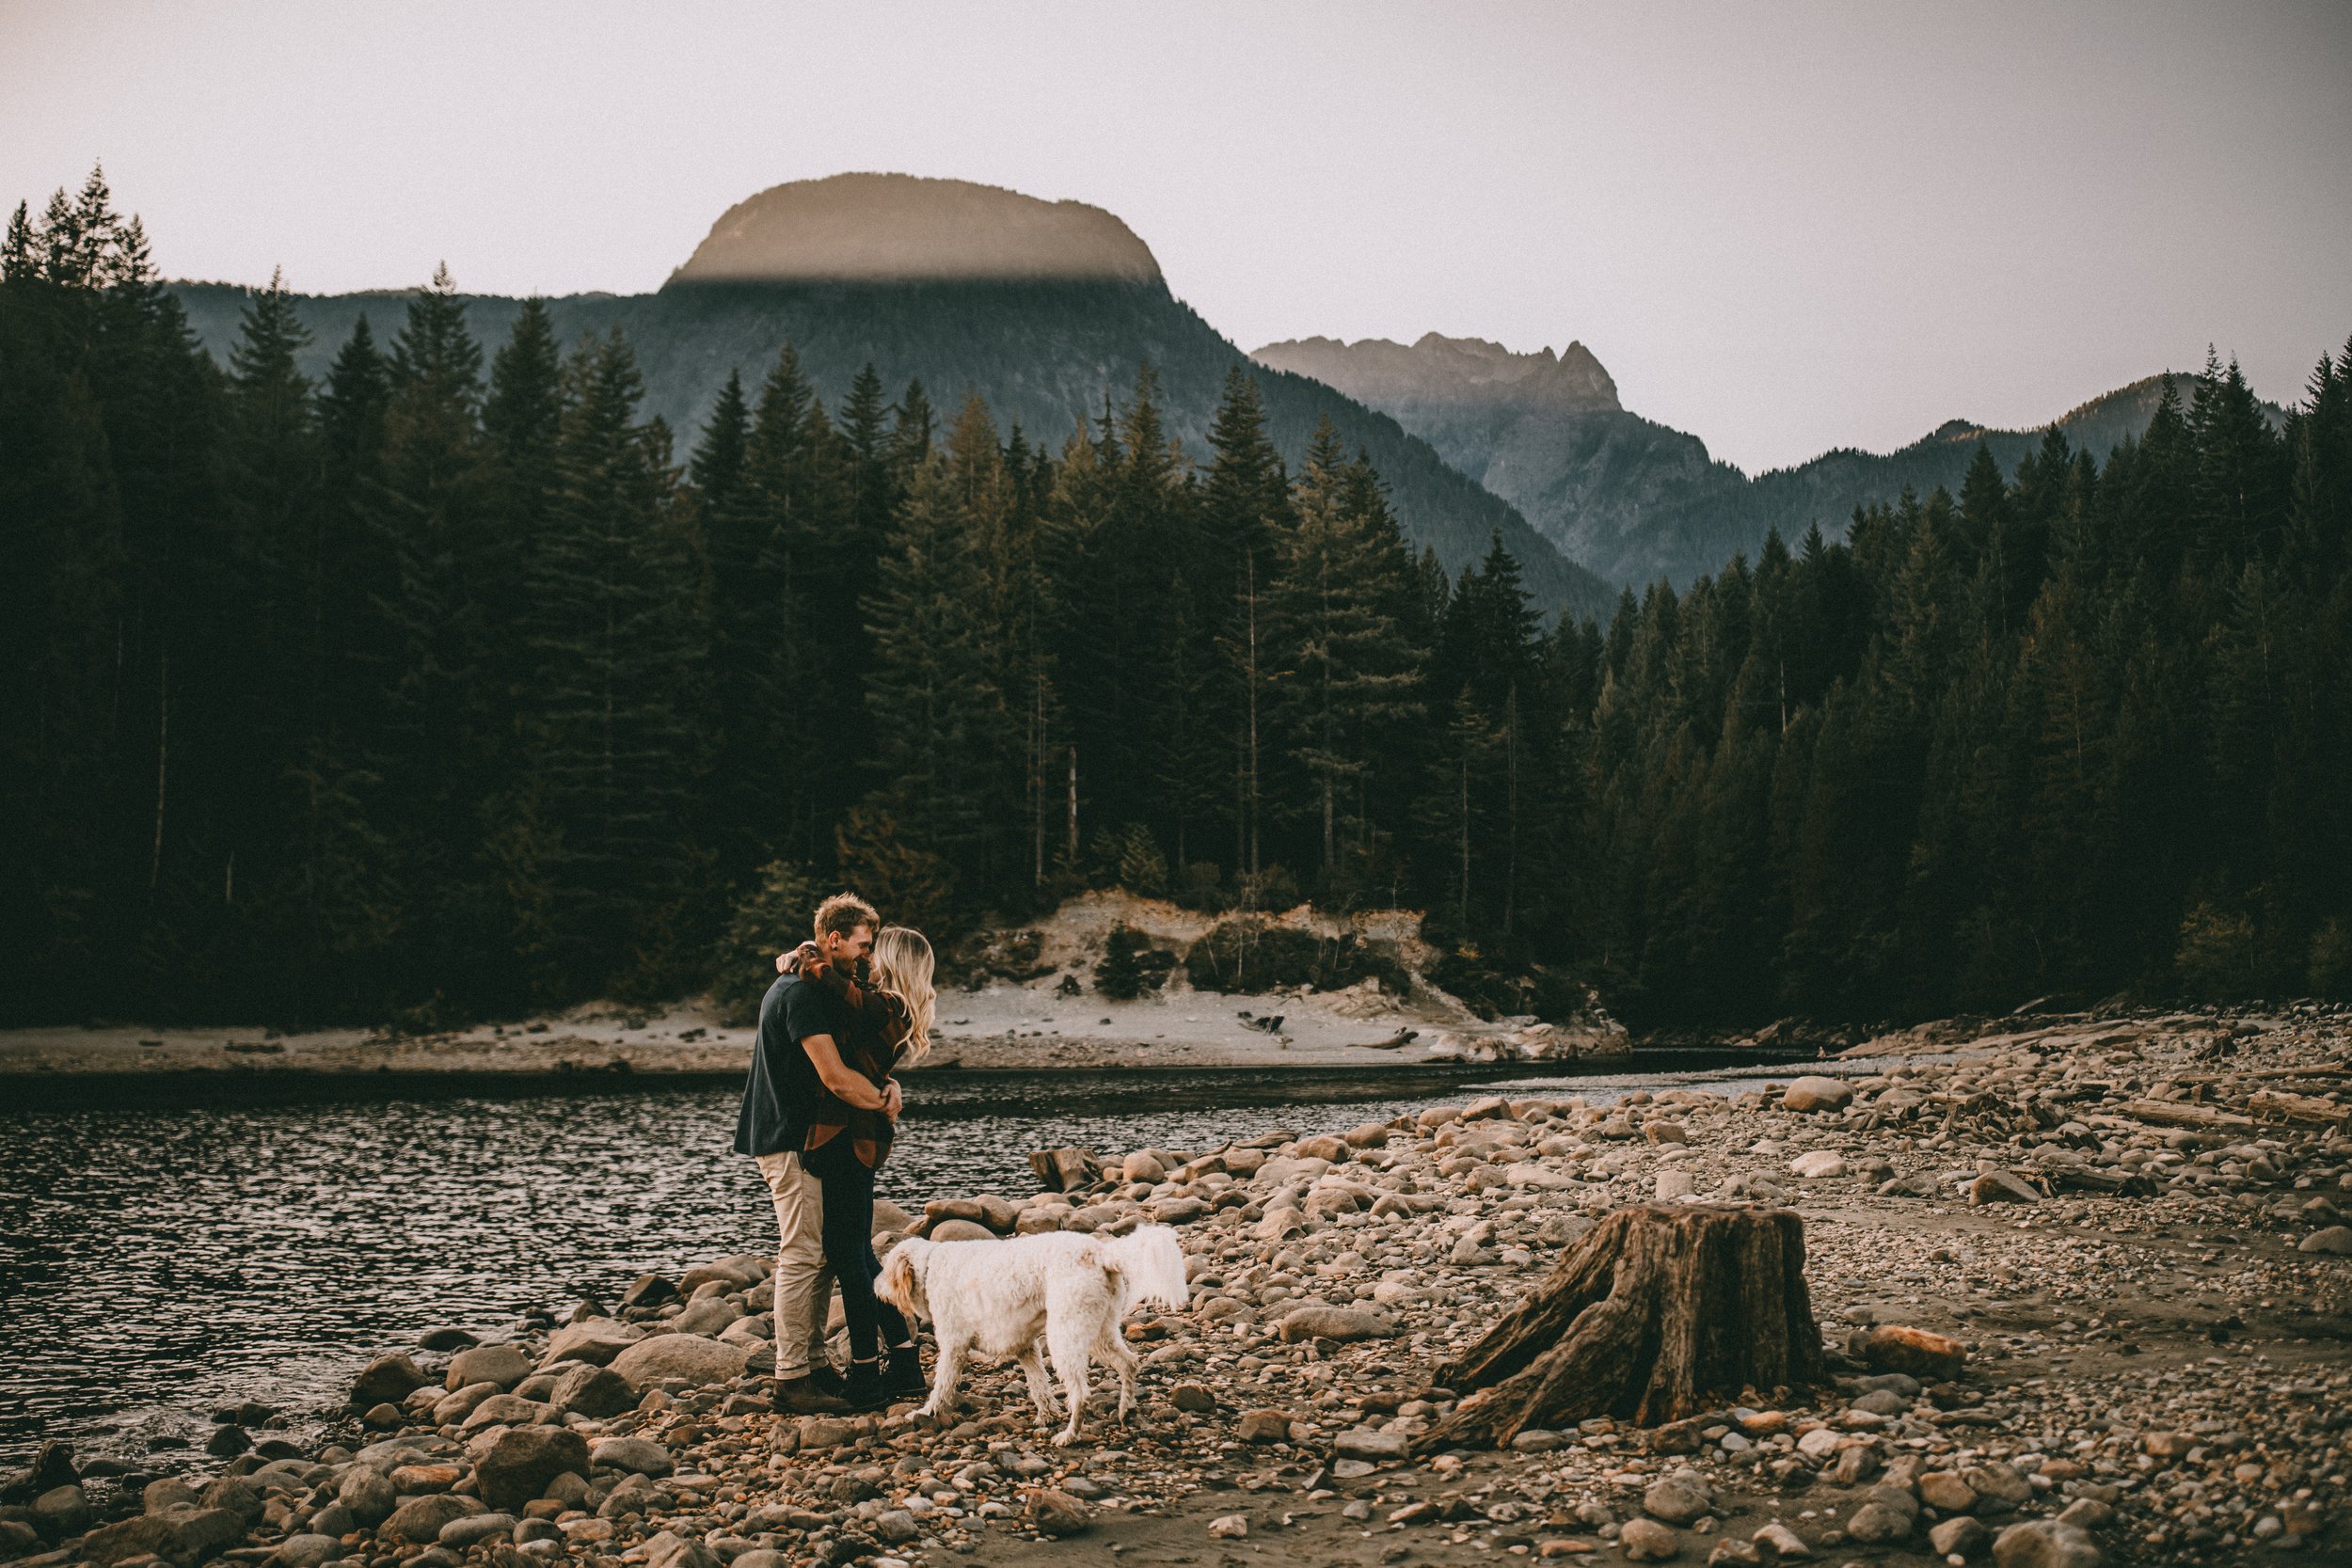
(1660, 1312)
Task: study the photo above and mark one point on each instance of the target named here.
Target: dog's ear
(899, 1283)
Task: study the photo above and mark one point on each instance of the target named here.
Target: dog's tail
(1149, 1266)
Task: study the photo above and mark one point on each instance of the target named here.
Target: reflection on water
(155, 1261)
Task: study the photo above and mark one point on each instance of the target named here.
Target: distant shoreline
(1124, 1086)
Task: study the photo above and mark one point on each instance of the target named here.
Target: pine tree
(615, 637)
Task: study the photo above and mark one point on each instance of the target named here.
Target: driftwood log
(1657, 1313)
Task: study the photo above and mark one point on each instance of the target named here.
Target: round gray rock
(2046, 1544)
(458, 1534)
(638, 1455)
(690, 1358)
(521, 1463)
(420, 1519)
(2335, 1242)
(306, 1551)
(503, 1365)
(1813, 1093)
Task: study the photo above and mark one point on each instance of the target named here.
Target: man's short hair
(845, 912)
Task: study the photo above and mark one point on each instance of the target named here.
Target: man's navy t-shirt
(783, 1087)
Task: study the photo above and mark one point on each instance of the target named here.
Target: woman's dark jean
(848, 1236)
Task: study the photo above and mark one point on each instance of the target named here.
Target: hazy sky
(1781, 226)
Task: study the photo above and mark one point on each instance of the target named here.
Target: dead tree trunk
(1659, 1312)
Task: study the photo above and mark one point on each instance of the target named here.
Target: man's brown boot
(801, 1396)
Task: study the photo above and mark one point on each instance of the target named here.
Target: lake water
(159, 1260)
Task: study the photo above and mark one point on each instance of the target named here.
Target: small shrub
(1142, 869)
(1492, 987)
(2331, 972)
(1119, 976)
(1200, 886)
(1129, 967)
(2215, 957)
(1273, 889)
(1248, 957)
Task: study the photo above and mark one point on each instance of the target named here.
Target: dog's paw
(1063, 1439)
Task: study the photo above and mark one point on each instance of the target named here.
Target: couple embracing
(818, 1114)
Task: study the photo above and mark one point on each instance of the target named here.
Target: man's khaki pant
(804, 1282)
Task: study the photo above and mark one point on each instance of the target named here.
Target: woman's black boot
(863, 1387)
(905, 1378)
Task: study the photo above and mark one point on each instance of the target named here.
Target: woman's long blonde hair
(903, 965)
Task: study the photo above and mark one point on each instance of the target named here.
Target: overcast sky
(1781, 226)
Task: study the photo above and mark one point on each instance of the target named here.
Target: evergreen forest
(449, 684)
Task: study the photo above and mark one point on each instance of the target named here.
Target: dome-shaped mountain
(897, 228)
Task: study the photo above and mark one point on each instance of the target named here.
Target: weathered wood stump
(1660, 1312)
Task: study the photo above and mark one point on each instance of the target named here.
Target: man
(795, 1059)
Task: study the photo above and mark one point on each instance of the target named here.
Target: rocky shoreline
(2087, 1288)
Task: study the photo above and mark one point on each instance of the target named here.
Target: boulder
(368, 1493)
(1999, 1488)
(1366, 1444)
(1814, 1093)
(668, 1549)
(503, 1410)
(181, 1536)
(385, 1380)
(1053, 1511)
(959, 1230)
(1343, 1325)
(306, 1551)
(638, 1455)
(1817, 1164)
(1875, 1522)
(1648, 1541)
(521, 1463)
(594, 1340)
(420, 1519)
(595, 1392)
(707, 1317)
(237, 1495)
(2334, 1242)
(1921, 1353)
(61, 1511)
(691, 1357)
(1141, 1166)
(2046, 1544)
(504, 1365)
(168, 1492)
(1944, 1492)
(51, 1468)
(2002, 1186)
(458, 1534)
(1263, 1426)
(648, 1289)
(1680, 1498)
(1960, 1536)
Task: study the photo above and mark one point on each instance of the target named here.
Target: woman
(846, 1147)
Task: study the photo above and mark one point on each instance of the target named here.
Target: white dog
(1062, 1290)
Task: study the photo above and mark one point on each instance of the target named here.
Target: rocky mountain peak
(898, 227)
(1442, 371)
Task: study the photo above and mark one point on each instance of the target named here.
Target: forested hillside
(441, 685)
(1635, 501)
(1044, 354)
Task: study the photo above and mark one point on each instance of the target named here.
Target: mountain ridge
(1636, 500)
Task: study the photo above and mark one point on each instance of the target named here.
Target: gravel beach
(2122, 1240)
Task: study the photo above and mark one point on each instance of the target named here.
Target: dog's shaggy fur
(1061, 1290)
